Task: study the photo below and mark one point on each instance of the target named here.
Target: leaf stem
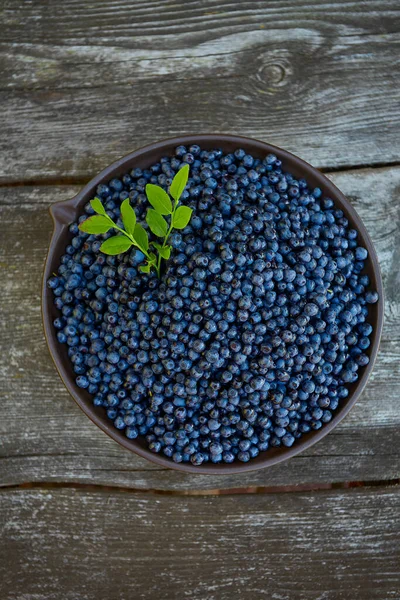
(132, 239)
(171, 226)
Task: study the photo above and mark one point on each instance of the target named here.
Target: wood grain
(85, 83)
(45, 437)
(70, 544)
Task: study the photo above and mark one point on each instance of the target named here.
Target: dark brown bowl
(64, 213)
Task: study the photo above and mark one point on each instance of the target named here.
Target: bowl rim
(62, 210)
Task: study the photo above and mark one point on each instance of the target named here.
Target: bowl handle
(63, 213)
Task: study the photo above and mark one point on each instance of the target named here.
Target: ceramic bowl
(64, 213)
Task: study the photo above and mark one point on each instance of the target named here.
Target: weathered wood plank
(66, 48)
(83, 84)
(45, 437)
(321, 546)
(160, 25)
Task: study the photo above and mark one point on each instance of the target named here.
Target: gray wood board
(85, 83)
(45, 437)
(324, 546)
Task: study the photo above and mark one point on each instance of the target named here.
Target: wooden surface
(279, 546)
(86, 82)
(80, 85)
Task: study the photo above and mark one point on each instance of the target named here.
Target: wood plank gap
(46, 181)
(278, 489)
(345, 168)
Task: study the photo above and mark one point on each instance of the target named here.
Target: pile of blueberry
(253, 332)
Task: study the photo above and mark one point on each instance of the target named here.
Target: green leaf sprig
(134, 234)
(179, 216)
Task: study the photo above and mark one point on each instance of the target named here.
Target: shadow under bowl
(64, 213)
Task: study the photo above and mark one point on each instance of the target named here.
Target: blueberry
(113, 357)
(247, 160)
(119, 423)
(150, 307)
(82, 381)
(116, 184)
(103, 191)
(53, 282)
(362, 360)
(311, 309)
(215, 266)
(213, 424)
(364, 343)
(228, 457)
(215, 448)
(361, 253)
(197, 458)
(244, 456)
(136, 257)
(371, 297)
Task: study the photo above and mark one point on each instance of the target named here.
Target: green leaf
(96, 224)
(181, 217)
(162, 250)
(116, 245)
(157, 223)
(98, 207)
(128, 216)
(165, 252)
(141, 237)
(144, 268)
(159, 199)
(179, 183)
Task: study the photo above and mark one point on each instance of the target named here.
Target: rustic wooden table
(83, 83)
